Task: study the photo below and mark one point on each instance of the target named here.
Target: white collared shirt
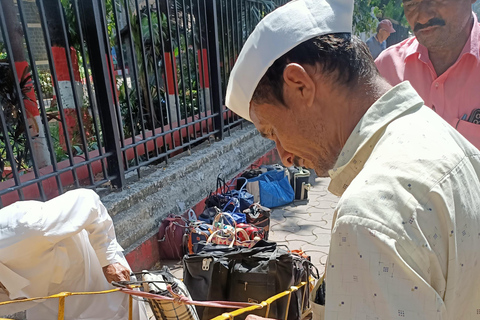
(406, 237)
(61, 245)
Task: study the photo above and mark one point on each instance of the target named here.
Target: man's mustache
(432, 22)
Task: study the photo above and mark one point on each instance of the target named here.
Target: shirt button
(436, 84)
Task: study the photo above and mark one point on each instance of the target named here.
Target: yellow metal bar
(288, 304)
(130, 307)
(263, 304)
(268, 310)
(61, 308)
(56, 296)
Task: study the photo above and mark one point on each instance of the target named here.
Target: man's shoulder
(370, 41)
(397, 51)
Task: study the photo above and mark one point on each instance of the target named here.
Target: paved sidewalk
(307, 224)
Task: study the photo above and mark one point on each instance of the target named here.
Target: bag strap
(192, 216)
(220, 215)
(236, 205)
(243, 232)
(221, 185)
(215, 234)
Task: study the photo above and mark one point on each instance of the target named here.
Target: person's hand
(116, 272)
(255, 317)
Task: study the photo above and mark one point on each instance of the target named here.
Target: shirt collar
(471, 47)
(398, 101)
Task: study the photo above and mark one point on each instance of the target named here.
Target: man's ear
(299, 85)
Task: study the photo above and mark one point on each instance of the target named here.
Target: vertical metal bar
(164, 64)
(198, 20)
(39, 95)
(174, 70)
(214, 59)
(48, 47)
(89, 85)
(147, 82)
(135, 76)
(78, 106)
(130, 307)
(203, 13)
(238, 25)
(10, 156)
(196, 62)
(249, 14)
(135, 68)
(182, 76)
(121, 60)
(96, 37)
(224, 57)
(242, 23)
(20, 105)
(228, 41)
(189, 70)
(157, 80)
(61, 308)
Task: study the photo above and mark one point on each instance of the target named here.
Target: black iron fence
(93, 89)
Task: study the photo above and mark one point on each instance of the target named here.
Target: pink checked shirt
(454, 94)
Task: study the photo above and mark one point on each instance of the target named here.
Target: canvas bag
(171, 235)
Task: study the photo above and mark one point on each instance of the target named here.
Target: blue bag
(275, 190)
(245, 198)
(232, 207)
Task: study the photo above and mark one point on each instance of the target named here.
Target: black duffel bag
(206, 276)
(257, 276)
(247, 275)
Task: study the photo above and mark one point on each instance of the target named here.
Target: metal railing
(125, 84)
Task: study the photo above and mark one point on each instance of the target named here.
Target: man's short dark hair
(343, 56)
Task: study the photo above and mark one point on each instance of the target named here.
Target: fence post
(95, 36)
(214, 62)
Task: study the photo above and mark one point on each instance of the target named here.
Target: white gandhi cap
(278, 33)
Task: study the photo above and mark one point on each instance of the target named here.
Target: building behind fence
(91, 90)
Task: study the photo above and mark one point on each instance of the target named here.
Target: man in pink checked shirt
(442, 61)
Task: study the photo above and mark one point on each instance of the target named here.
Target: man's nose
(425, 12)
(285, 156)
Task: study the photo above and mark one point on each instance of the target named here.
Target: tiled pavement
(306, 224)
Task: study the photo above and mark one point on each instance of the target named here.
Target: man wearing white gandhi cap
(406, 232)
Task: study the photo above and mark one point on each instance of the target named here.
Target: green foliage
(367, 14)
(3, 53)
(476, 8)
(14, 119)
(363, 18)
(391, 9)
(45, 82)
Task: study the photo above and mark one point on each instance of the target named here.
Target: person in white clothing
(406, 231)
(65, 244)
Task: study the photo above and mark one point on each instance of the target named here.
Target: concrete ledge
(138, 210)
